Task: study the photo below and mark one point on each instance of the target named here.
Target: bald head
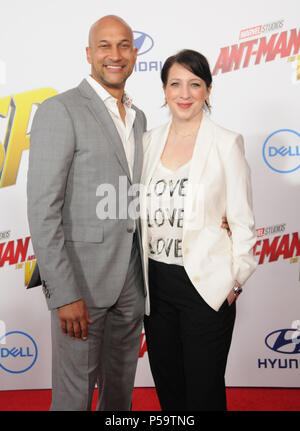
(111, 53)
(106, 22)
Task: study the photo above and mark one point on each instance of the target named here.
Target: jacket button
(196, 279)
(129, 229)
(186, 250)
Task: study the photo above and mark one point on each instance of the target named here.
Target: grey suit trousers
(108, 356)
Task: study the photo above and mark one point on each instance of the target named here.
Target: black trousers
(188, 342)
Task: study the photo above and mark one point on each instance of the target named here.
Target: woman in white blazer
(195, 173)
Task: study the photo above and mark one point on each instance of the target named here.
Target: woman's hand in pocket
(231, 297)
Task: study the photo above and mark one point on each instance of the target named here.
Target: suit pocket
(83, 233)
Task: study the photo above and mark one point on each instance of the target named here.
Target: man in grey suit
(90, 266)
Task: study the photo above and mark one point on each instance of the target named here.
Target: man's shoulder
(68, 97)
(60, 107)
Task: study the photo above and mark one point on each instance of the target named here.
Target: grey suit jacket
(74, 148)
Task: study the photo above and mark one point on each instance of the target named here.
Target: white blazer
(219, 185)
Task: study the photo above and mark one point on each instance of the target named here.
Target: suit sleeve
(239, 210)
(52, 146)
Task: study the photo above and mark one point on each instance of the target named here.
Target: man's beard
(116, 85)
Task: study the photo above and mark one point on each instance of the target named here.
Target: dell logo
(281, 151)
(19, 352)
(284, 151)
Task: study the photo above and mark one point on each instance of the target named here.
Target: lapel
(152, 155)
(194, 203)
(102, 116)
(138, 148)
(202, 147)
(159, 138)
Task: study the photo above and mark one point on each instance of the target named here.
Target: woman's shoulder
(227, 141)
(154, 133)
(155, 130)
(223, 132)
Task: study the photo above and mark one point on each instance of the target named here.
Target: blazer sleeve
(52, 146)
(239, 210)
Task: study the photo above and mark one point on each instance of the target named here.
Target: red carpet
(145, 399)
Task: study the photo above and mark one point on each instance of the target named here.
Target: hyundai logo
(143, 42)
(18, 353)
(281, 151)
(284, 341)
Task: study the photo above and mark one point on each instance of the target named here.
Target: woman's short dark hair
(191, 60)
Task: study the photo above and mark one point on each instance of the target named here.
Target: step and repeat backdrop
(254, 52)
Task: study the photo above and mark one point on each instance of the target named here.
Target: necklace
(184, 136)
